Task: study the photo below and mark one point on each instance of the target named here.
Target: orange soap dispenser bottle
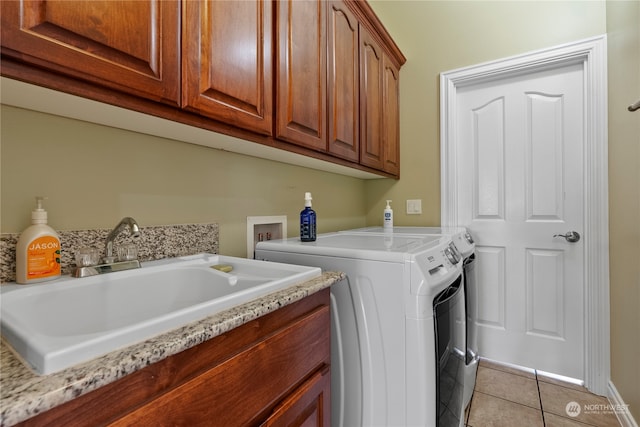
(38, 250)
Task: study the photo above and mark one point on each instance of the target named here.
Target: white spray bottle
(388, 217)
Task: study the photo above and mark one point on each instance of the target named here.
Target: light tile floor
(505, 396)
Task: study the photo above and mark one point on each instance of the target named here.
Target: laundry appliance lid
(383, 247)
(460, 235)
(419, 231)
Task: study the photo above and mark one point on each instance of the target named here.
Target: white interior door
(520, 182)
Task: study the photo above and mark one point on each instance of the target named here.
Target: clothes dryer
(400, 295)
(466, 246)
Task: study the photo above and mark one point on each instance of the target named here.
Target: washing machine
(466, 246)
(397, 327)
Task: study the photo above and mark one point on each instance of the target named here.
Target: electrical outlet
(414, 207)
(261, 228)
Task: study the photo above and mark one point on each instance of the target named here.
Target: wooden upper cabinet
(391, 117)
(227, 62)
(379, 107)
(301, 110)
(337, 93)
(131, 46)
(315, 77)
(371, 90)
(343, 82)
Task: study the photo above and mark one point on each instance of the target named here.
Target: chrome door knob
(571, 236)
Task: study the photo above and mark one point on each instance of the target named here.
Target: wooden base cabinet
(272, 371)
(307, 406)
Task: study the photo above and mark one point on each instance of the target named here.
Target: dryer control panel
(453, 255)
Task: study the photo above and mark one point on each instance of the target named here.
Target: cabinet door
(301, 112)
(391, 117)
(227, 60)
(309, 405)
(245, 387)
(131, 46)
(343, 82)
(371, 92)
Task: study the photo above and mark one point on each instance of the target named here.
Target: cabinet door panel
(391, 118)
(343, 82)
(123, 44)
(371, 150)
(228, 61)
(309, 405)
(302, 55)
(247, 385)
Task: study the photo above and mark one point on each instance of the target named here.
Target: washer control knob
(468, 237)
(452, 254)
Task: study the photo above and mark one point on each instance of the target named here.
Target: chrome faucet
(109, 264)
(126, 222)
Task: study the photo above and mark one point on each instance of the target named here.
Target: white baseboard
(625, 417)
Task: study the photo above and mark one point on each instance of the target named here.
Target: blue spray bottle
(307, 221)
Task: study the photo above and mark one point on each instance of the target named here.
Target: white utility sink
(58, 324)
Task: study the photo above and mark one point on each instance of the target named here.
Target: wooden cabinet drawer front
(309, 405)
(124, 44)
(252, 382)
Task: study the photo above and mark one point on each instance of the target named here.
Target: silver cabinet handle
(571, 236)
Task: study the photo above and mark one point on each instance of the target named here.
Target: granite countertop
(24, 394)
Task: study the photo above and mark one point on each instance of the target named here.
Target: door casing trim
(592, 54)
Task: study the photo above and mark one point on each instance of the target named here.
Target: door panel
(301, 116)
(488, 121)
(95, 41)
(521, 182)
(491, 281)
(391, 117)
(371, 149)
(544, 156)
(545, 296)
(343, 89)
(227, 62)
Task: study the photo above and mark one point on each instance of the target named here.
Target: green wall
(623, 36)
(438, 36)
(94, 175)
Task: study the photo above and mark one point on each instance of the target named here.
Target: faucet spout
(126, 222)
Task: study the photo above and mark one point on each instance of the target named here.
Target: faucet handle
(127, 252)
(87, 257)
(109, 259)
